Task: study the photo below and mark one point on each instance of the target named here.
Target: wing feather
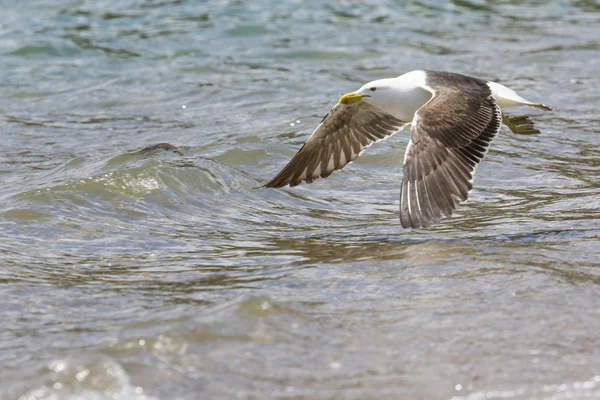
(345, 132)
(450, 135)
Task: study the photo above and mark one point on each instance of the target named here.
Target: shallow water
(161, 275)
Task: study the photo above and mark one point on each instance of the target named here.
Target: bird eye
(373, 89)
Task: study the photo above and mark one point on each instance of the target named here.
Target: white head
(378, 93)
(401, 96)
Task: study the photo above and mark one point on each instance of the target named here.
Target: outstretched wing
(450, 135)
(345, 132)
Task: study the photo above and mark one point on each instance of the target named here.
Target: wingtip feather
(542, 107)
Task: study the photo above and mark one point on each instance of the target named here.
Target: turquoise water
(164, 274)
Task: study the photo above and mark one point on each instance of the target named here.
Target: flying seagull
(453, 120)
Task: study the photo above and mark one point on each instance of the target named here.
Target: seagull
(453, 119)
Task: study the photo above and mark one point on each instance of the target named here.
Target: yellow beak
(352, 98)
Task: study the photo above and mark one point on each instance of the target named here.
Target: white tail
(506, 97)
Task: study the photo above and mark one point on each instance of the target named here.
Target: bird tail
(506, 97)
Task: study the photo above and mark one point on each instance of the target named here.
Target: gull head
(400, 97)
(376, 92)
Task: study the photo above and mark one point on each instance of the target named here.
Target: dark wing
(449, 136)
(345, 132)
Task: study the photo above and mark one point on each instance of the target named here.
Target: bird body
(453, 120)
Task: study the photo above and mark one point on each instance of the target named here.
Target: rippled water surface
(165, 274)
